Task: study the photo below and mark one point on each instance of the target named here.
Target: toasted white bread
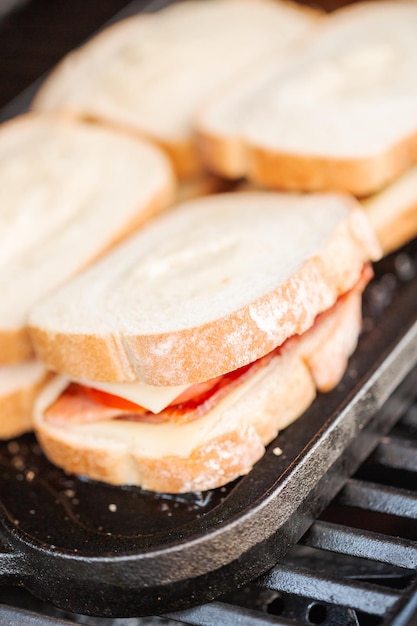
(205, 288)
(19, 386)
(339, 115)
(69, 191)
(393, 211)
(225, 442)
(148, 73)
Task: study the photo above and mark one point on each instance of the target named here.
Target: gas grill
(322, 531)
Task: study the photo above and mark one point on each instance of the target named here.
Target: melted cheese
(153, 398)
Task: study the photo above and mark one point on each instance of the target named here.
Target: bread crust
(233, 158)
(16, 346)
(393, 212)
(199, 353)
(234, 433)
(359, 176)
(224, 155)
(17, 405)
(184, 157)
(397, 231)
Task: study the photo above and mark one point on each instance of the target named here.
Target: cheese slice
(150, 397)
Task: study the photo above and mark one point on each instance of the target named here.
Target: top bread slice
(338, 115)
(68, 191)
(148, 73)
(205, 288)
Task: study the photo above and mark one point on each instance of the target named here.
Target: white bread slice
(338, 115)
(205, 288)
(68, 191)
(226, 442)
(19, 386)
(148, 73)
(393, 211)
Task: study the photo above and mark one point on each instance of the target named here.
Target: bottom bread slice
(19, 386)
(225, 443)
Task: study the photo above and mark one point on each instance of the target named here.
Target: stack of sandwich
(175, 358)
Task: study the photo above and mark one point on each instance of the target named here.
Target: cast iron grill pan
(356, 566)
(94, 549)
